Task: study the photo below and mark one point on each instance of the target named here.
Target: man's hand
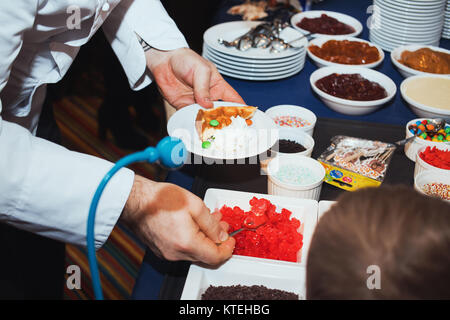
(184, 78)
(176, 224)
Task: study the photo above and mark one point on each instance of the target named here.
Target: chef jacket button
(105, 6)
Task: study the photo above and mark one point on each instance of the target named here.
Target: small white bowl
(352, 107)
(422, 166)
(407, 71)
(277, 187)
(412, 147)
(319, 41)
(298, 136)
(294, 135)
(296, 18)
(420, 109)
(296, 111)
(426, 177)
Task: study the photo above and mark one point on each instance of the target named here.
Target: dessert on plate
(225, 127)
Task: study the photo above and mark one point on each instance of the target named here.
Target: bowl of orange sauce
(412, 60)
(351, 51)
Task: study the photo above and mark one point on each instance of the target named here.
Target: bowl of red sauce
(328, 51)
(326, 23)
(352, 90)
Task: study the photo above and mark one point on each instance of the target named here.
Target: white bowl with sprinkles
(292, 116)
(433, 184)
(295, 176)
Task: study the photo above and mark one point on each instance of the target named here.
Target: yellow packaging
(354, 163)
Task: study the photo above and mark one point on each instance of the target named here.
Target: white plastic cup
(306, 191)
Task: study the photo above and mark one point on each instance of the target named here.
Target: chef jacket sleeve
(45, 188)
(149, 20)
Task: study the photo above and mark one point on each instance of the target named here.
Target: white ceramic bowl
(298, 136)
(422, 166)
(308, 191)
(294, 135)
(426, 177)
(412, 147)
(339, 16)
(319, 41)
(407, 71)
(296, 111)
(352, 107)
(420, 109)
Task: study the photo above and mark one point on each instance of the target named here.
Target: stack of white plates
(400, 22)
(446, 30)
(254, 64)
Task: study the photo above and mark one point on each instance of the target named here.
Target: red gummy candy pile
(277, 239)
(436, 157)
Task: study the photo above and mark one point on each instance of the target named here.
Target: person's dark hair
(404, 233)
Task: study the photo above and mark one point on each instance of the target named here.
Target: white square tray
(304, 210)
(247, 272)
(324, 206)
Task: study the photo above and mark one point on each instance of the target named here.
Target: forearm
(47, 189)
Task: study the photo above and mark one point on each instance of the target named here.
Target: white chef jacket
(45, 188)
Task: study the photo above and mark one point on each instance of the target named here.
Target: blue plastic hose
(170, 152)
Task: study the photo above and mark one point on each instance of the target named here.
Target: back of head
(395, 231)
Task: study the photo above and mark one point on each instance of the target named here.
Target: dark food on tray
(277, 239)
(346, 52)
(239, 292)
(325, 25)
(426, 60)
(351, 87)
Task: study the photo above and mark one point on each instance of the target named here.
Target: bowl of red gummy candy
(424, 139)
(436, 159)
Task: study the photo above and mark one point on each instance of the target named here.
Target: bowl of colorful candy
(294, 117)
(433, 184)
(352, 90)
(295, 176)
(424, 139)
(435, 159)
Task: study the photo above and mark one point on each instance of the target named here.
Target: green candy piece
(424, 135)
(440, 137)
(447, 130)
(206, 144)
(214, 123)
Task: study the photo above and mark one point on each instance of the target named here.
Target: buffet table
(165, 280)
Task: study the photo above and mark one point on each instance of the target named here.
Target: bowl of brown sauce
(327, 51)
(352, 90)
(326, 23)
(412, 60)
